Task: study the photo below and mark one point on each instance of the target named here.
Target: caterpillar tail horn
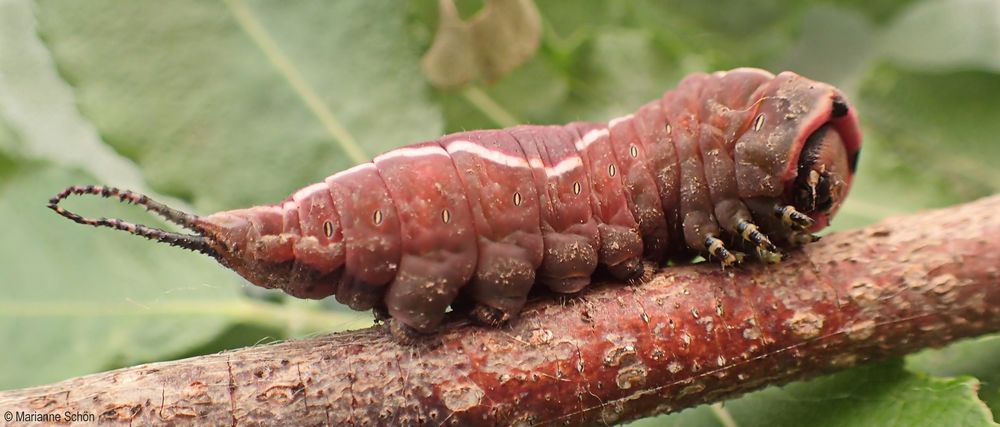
(195, 242)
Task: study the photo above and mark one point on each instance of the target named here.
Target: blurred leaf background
(218, 105)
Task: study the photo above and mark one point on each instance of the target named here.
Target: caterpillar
(726, 163)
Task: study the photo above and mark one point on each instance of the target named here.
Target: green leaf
(77, 300)
(239, 102)
(977, 357)
(926, 142)
(9, 142)
(836, 46)
(923, 144)
(74, 303)
(946, 35)
(882, 394)
(621, 71)
(40, 107)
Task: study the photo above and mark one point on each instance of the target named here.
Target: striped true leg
(775, 219)
(731, 213)
(727, 111)
(701, 230)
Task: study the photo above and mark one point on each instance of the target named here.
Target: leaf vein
(260, 36)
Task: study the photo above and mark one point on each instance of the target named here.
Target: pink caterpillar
(739, 159)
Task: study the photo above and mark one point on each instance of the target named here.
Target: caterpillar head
(800, 147)
(823, 176)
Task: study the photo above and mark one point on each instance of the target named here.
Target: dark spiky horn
(194, 242)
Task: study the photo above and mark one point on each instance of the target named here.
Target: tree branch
(691, 335)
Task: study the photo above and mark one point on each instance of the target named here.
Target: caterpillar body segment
(570, 236)
(504, 201)
(727, 163)
(621, 247)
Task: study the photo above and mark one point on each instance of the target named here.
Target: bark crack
(232, 389)
(303, 387)
(351, 379)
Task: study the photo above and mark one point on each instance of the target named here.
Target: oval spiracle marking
(758, 123)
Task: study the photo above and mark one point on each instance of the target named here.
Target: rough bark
(691, 335)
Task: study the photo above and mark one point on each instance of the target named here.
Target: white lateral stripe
(764, 73)
(354, 169)
(590, 137)
(484, 153)
(564, 166)
(616, 122)
(430, 150)
(307, 191)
